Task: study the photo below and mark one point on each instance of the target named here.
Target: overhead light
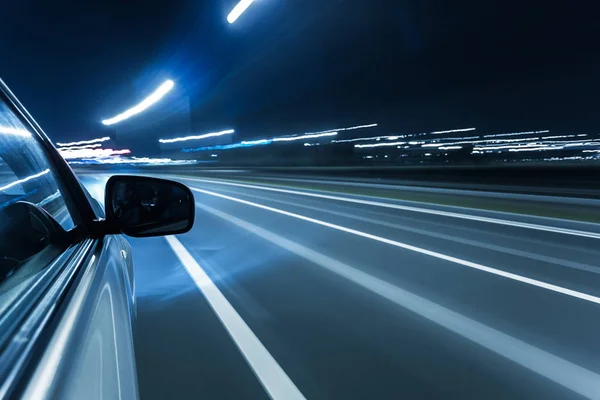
(197, 137)
(143, 105)
(238, 10)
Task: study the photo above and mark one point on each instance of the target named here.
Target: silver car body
(70, 335)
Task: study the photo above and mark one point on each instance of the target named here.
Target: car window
(33, 213)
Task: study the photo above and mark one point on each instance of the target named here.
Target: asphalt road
(283, 294)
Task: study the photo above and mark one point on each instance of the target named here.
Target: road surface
(291, 293)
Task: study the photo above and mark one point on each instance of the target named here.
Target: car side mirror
(139, 206)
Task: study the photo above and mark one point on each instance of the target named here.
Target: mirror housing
(140, 206)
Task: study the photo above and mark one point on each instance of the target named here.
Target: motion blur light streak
(87, 146)
(452, 131)
(82, 142)
(351, 128)
(450, 148)
(304, 137)
(248, 143)
(238, 10)
(255, 142)
(8, 130)
(198, 137)
(360, 146)
(517, 133)
(18, 182)
(143, 105)
(92, 153)
(258, 142)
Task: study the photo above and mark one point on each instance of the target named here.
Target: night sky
(294, 65)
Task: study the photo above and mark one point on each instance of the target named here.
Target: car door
(66, 293)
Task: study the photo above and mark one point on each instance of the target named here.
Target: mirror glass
(142, 206)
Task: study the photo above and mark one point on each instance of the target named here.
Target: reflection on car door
(90, 354)
(66, 298)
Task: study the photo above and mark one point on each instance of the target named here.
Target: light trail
(18, 182)
(143, 105)
(87, 146)
(304, 137)
(92, 153)
(82, 142)
(198, 137)
(9, 130)
(362, 146)
(238, 10)
(453, 131)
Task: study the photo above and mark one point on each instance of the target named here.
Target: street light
(238, 10)
(143, 105)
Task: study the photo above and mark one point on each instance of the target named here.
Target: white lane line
(453, 238)
(554, 368)
(272, 377)
(497, 221)
(498, 272)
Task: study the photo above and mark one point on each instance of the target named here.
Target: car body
(67, 293)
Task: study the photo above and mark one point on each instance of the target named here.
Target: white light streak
(543, 148)
(82, 142)
(361, 146)
(363, 139)
(449, 147)
(87, 146)
(146, 103)
(238, 10)
(9, 130)
(92, 153)
(137, 160)
(452, 131)
(459, 138)
(304, 137)
(560, 136)
(351, 128)
(18, 182)
(517, 133)
(253, 142)
(198, 137)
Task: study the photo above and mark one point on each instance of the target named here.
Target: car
(67, 298)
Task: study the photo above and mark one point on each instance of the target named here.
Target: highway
(285, 292)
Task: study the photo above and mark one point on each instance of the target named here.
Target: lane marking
(554, 368)
(494, 271)
(497, 221)
(272, 377)
(506, 250)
